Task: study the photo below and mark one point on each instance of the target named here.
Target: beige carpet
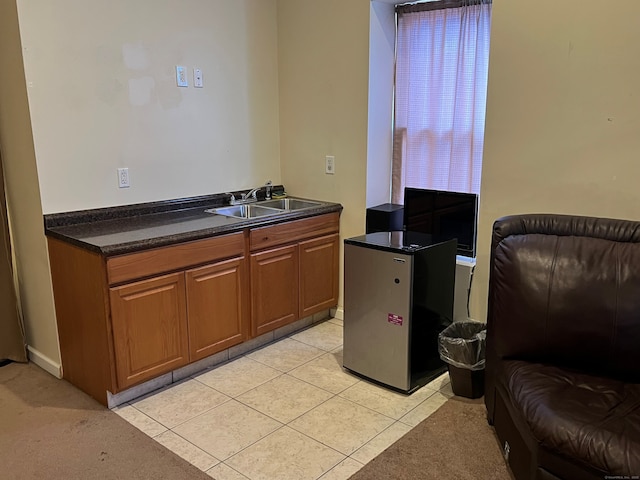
(454, 443)
(51, 430)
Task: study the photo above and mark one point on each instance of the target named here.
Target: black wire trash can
(462, 346)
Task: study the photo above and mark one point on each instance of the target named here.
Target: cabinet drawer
(288, 232)
(123, 268)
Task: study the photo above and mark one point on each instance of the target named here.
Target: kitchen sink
(244, 211)
(264, 208)
(289, 204)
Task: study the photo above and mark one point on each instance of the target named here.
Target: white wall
(23, 196)
(102, 93)
(97, 91)
(562, 115)
(382, 42)
(323, 74)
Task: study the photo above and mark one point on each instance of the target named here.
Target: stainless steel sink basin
(244, 211)
(264, 208)
(289, 204)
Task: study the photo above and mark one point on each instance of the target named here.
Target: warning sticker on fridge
(395, 319)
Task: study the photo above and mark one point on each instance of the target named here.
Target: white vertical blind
(440, 98)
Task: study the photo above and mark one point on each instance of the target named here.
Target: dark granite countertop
(127, 229)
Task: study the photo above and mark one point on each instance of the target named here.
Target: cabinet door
(149, 321)
(217, 306)
(274, 288)
(319, 260)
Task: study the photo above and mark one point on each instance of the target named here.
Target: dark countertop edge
(147, 244)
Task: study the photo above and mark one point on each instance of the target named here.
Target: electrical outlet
(330, 165)
(123, 178)
(181, 76)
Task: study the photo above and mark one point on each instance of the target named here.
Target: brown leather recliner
(563, 346)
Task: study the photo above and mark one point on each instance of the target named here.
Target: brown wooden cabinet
(126, 319)
(165, 322)
(129, 318)
(298, 278)
(201, 310)
(149, 321)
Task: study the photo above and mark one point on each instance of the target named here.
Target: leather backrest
(565, 290)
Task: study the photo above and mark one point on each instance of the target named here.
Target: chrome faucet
(251, 196)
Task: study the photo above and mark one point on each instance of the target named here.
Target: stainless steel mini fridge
(398, 296)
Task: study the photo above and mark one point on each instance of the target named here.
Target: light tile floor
(286, 411)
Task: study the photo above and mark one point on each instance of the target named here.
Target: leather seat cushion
(592, 420)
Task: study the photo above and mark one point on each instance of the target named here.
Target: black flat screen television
(444, 214)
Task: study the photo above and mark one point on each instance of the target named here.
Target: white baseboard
(44, 362)
(337, 313)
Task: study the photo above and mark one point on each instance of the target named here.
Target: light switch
(181, 76)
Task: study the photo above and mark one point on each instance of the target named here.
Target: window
(442, 55)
